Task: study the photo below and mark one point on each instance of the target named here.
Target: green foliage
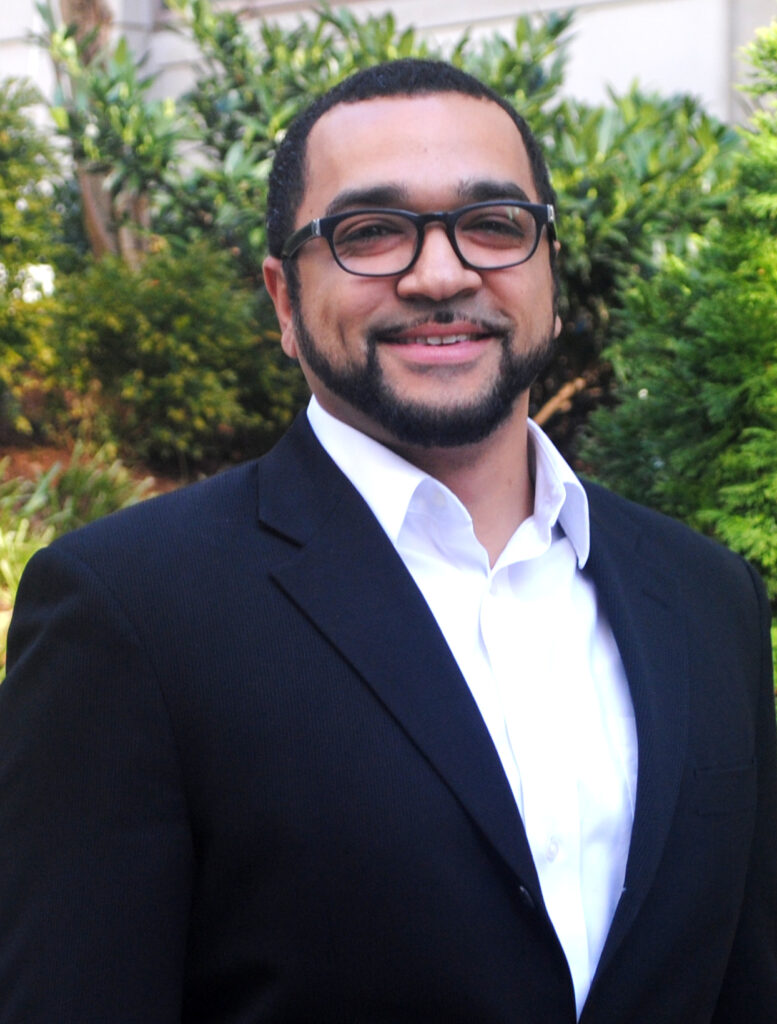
(635, 179)
(695, 431)
(34, 248)
(762, 57)
(526, 67)
(29, 238)
(17, 545)
(760, 157)
(90, 485)
(173, 365)
(28, 172)
(102, 106)
(28, 365)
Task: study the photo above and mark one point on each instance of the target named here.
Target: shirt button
(552, 849)
(526, 898)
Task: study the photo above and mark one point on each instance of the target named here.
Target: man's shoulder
(664, 542)
(256, 509)
(179, 516)
(605, 505)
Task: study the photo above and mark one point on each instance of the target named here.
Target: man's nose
(438, 273)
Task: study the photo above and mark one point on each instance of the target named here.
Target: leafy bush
(635, 179)
(29, 171)
(695, 433)
(695, 430)
(167, 360)
(31, 246)
(28, 393)
(64, 497)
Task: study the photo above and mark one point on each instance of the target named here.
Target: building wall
(667, 45)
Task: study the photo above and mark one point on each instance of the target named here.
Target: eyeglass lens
(385, 243)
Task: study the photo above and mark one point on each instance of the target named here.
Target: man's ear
(278, 289)
(557, 324)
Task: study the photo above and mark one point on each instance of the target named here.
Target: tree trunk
(97, 213)
(89, 16)
(113, 226)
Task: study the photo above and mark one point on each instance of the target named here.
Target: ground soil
(30, 461)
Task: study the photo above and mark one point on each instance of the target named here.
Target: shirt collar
(385, 480)
(559, 497)
(388, 483)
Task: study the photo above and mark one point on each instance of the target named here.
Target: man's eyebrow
(364, 198)
(398, 197)
(483, 191)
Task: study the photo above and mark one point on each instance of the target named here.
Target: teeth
(435, 339)
(446, 339)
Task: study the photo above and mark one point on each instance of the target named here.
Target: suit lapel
(643, 606)
(347, 579)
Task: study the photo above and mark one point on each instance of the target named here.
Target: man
(400, 723)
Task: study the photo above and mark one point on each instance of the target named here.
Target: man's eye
(369, 232)
(502, 225)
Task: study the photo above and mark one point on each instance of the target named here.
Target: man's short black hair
(407, 77)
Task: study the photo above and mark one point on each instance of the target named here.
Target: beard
(416, 423)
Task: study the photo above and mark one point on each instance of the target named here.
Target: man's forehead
(371, 113)
(416, 142)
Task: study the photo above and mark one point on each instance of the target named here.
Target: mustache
(486, 325)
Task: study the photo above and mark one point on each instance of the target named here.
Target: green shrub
(635, 179)
(167, 360)
(695, 430)
(68, 495)
(29, 172)
(31, 244)
(29, 392)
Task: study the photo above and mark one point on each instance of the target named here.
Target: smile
(438, 339)
(436, 334)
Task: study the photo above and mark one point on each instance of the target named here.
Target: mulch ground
(31, 461)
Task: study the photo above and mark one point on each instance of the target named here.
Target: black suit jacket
(242, 779)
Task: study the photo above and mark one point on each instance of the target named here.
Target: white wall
(689, 46)
(670, 45)
(19, 57)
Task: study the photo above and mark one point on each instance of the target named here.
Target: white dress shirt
(540, 659)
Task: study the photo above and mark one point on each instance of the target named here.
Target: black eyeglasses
(382, 242)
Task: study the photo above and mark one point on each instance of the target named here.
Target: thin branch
(561, 401)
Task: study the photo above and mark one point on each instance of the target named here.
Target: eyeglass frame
(544, 215)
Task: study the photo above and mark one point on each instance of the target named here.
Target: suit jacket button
(526, 898)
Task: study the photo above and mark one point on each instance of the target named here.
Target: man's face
(370, 347)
